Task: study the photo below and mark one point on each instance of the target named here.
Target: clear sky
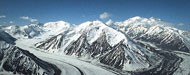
(21, 12)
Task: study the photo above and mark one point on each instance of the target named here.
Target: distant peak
(40, 24)
(56, 24)
(136, 18)
(143, 18)
(61, 21)
(154, 19)
(147, 22)
(91, 24)
(109, 22)
(97, 21)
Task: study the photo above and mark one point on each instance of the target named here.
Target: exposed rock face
(164, 40)
(19, 61)
(109, 46)
(137, 46)
(168, 66)
(156, 32)
(115, 57)
(78, 47)
(53, 43)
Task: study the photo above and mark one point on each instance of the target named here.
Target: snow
(6, 37)
(64, 62)
(38, 30)
(8, 73)
(14, 57)
(143, 22)
(185, 38)
(95, 29)
(109, 22)
(184, 67)
(135, 18)
(154, 30)
(154, 27)
(57, 26)
(138, 27)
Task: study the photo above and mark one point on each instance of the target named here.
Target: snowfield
(184, 67)
(68, 65)
(137, 46)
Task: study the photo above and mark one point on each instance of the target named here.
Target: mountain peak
(109, 22)
(143, 19)
(97, 21)
(57, 23)
(146, 22)
(57, 26)
(90, 24)
(136, 18)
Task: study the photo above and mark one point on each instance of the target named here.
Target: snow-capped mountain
(57, 26)
(137, 46)
(14, 60)
(35, 30)
(95, 40)
(27, 31)
(155, 32)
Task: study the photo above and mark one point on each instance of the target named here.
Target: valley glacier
(137, 46)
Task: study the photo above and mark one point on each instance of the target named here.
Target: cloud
(2, 16)
(104, 15)
(28, 18)
(180, 24)
(11, 22)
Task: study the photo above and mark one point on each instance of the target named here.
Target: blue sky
(21, 12)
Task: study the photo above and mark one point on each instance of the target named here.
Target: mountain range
(136, 46)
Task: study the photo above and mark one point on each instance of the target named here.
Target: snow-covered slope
(5, 36)
(14, 60)
(39, 30)
(27, 31)
(95, 40)
(52, 29)
(57, 26)
(156, 32)
(137, 46)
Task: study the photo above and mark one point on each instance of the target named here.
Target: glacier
(136, 46)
